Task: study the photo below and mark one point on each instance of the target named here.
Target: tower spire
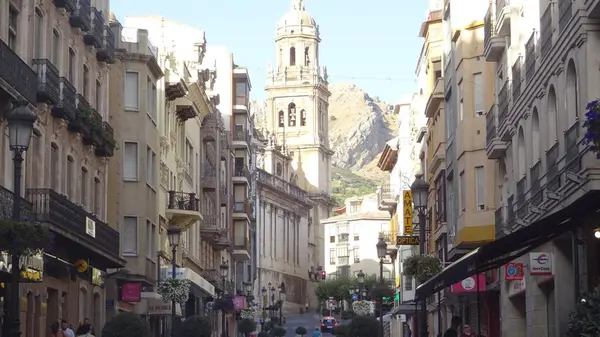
(298, 5)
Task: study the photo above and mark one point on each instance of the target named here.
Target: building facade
(49, 67)
(352, 237)
(296, 134)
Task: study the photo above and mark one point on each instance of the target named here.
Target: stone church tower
(297, 117)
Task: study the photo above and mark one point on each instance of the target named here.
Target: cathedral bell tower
(297, 99)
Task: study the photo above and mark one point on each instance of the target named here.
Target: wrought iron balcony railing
(81, 16)
(184, 201)
(17, 73)
(95, 35)
(241, 171)
(48, 81)
(6, 206)
(66, 106)
(530, 56)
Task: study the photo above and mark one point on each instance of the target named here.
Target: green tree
(364, 326)
(339, 288)
(263, 334)
(195, 326)
(126, 324)
(246, 326)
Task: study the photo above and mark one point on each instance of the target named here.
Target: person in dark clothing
(453, 329)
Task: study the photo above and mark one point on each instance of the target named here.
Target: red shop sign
(513, 271)
(131, 292)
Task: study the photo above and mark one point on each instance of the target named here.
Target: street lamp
(361, 281)
(281, 289)
(173, 234)
(272, 300)
(224, 267)
(420, 192)
(264, 293)
(381, 253)
(20, 127)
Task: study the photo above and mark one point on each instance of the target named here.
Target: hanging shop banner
(469, 284)
(540, 264)
(407, 208)
(513, 271)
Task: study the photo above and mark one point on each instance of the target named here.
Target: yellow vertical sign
(407, 208)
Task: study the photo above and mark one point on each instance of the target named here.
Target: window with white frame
(150, 240)
(356, 253)
(130, 161)
(132, 91)
(478, 94)
(151, 98)
(129, 236)
(480, 187)
(150, 167)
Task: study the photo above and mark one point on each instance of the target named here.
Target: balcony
(19, 79)
(495, 147)
(106, 148)
(209, 227)
(79, 232)
(223, 194)
(241, 210)
(530, 57)
(6, 206)
(500, 221)
(241, 175)
(82, 108)
(546, 31)
(223, 240)
(503, 9)
(106, 51)
(241, 137)
(48, 81)
(213, 276)
(386, 200)
(183, 209)
(517, 78)
(241, 243)
(552, 175)
(66, 106)
(493, 44)
(68, 5)
(435, 98)
(95, 36)
(521, 206)
(503, 105)
(92, 126)
(81, 16)
(209, 176)
(573, 161)
(185, 111)
(536, 197)
(279, 185)
(225, 143)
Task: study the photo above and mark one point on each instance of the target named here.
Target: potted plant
(584, 320)
(246, 326)
(422, 267)
(301, 331)
(23, 238)
(364, 326)
(592, 125)
(362, 308)
(126, 324)
(177, 290)
(279, 331)
(195, 326)
(250, 313)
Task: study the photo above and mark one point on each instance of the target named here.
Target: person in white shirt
(67, 332)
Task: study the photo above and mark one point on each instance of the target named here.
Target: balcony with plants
(183, 209)
(95, 36)
(81, 16)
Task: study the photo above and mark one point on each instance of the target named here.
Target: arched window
(292, 114)
(306, 57)
(71, 65)
(552, 115)
(281, 119)
(38, 26)
(56, 48)
(293, 56)
(572, 93)
(86, 82)
(84, 186)
(303, 117)
(54, 167)
(70, 174)
(535, 137)
(521, 153)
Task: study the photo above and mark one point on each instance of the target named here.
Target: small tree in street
(301, 331)
(246, 326)
(279, 331)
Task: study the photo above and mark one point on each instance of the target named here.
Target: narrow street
(309, 321)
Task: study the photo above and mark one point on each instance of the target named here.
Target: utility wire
(369, 78)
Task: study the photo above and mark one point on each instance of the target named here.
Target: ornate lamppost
(224, 267)
(174, 235)
(420, 192)
(381, 253)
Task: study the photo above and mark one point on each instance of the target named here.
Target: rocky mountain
(359, 127)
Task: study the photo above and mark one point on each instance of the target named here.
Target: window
(293, 56)
(130, 161)
(344, 237)
(462, 191)
(189, 156)
(408, 283)
(97, 195)
(86, 81)
(54, 173)
(306, 57)
(71, 73)
(241, 93)
(84, 186)
(356, 237)
(69, 177)
(151, 167)
(440, 197)
(132, 91)
(332, 256)
(281, 119)
(478, 94)
(332, 238)
(99, 98)
(151, 99)
(13, 24)
(480, 187)
(354, 207)
(129, 236)
(292, 114)
(150, 240)
(356, 253)
(37, 34)
(56, 44)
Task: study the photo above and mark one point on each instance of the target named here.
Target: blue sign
(110, 304)
(355, 297)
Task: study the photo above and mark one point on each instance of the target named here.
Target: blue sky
(373, 44)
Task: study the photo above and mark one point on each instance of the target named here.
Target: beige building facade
(56, 61)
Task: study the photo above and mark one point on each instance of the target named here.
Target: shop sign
(469, 285)
(407, 208)
(131, 292)
(540, 264)
(513, 271)
(157, 306)
(407, 240)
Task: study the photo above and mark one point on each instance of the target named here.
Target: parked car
(328, 323)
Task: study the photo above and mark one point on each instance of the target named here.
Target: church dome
(297, 20)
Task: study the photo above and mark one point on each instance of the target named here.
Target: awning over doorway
(514, 245)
